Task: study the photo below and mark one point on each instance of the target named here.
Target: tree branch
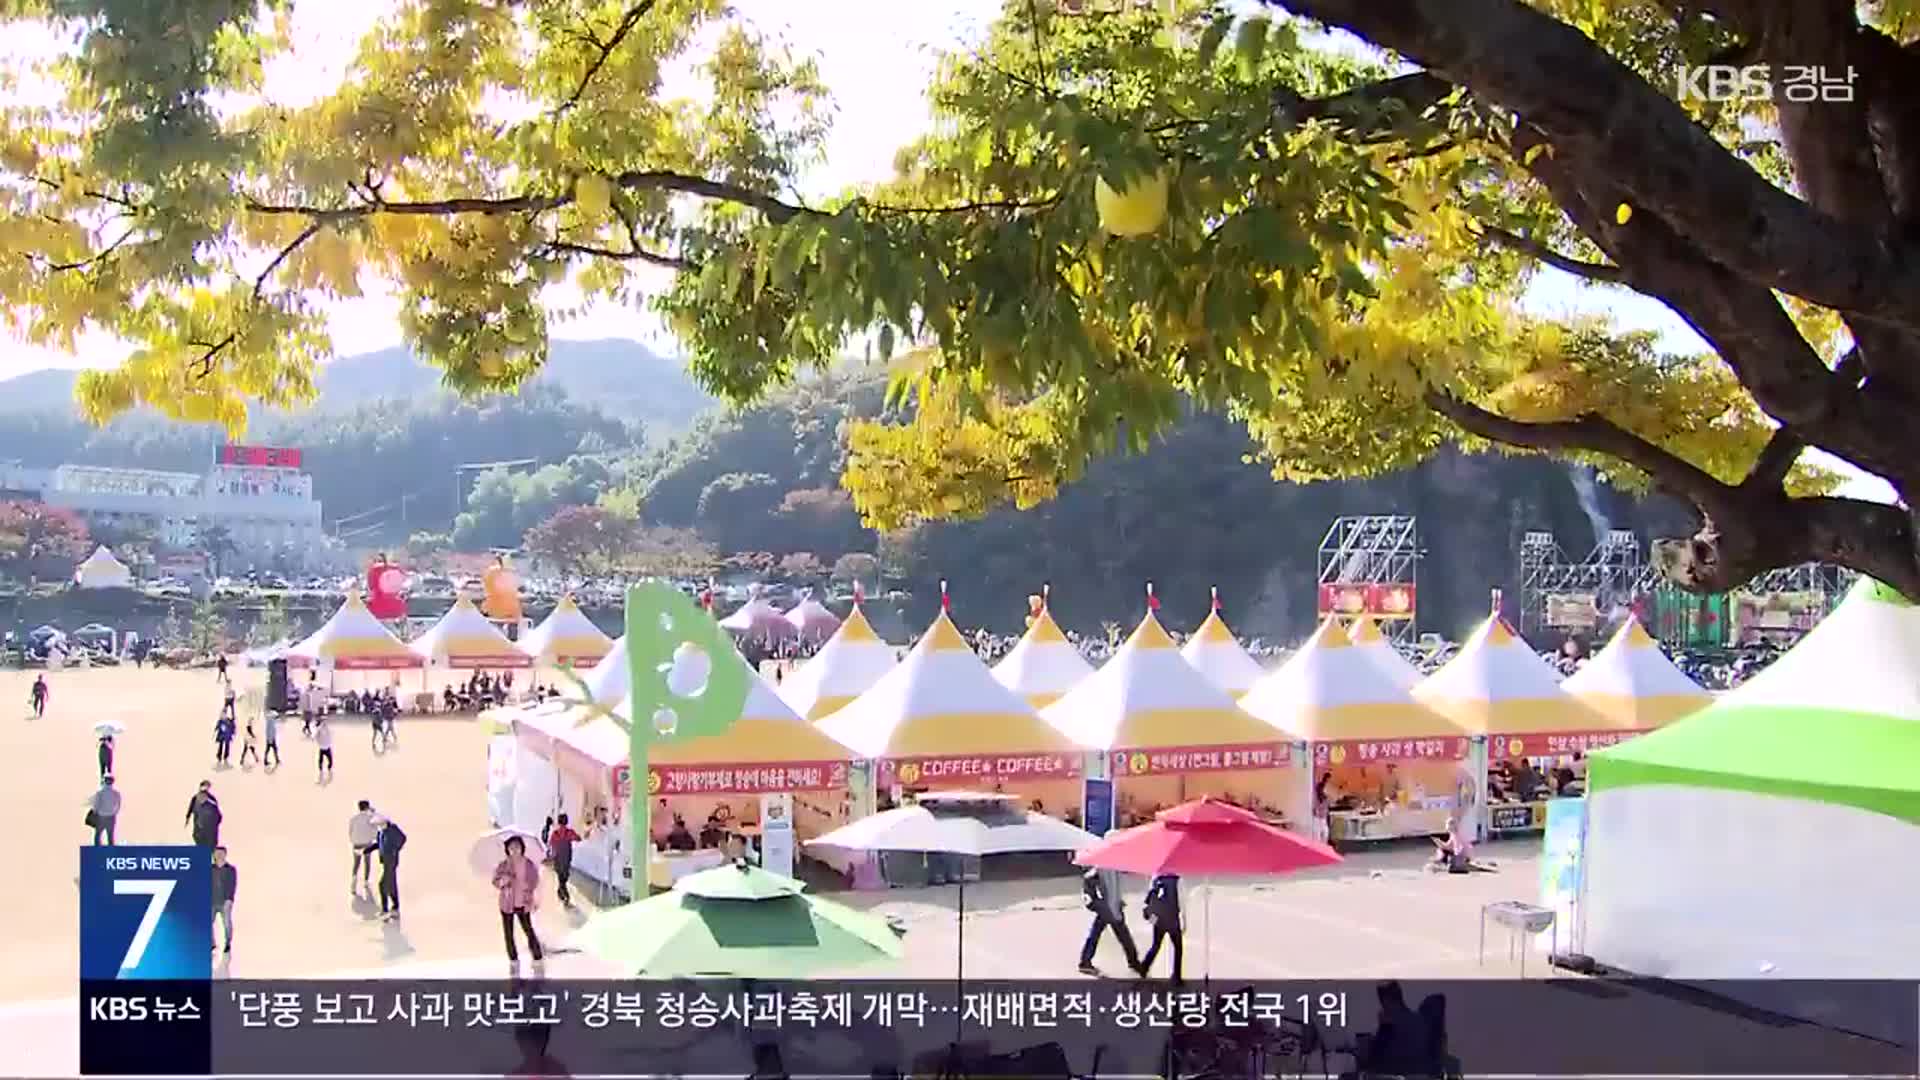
(306, 234)
(537, 202)
(628, 21)
(1601, 272)
(1582, 99)
(636, 255)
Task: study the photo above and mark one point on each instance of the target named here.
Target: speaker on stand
(277, 685)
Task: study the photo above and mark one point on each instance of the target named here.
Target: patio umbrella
(958, 823)
(491, 847)
(108, 729)
(738, 921)
(1206, 839)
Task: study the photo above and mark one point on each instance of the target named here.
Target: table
(1353, 826)
(1520, 919)
(667, 868)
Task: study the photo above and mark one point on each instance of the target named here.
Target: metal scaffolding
(1608, 578)
(1375, 549)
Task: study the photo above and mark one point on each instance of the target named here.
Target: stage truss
(1375, 549)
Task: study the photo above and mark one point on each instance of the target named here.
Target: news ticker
(1122, 1026)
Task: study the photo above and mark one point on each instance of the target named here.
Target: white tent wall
(1701, 883)
(536, 790)
(503, 752)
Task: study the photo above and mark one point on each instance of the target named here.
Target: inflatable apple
(386, 590)
(1137, 211)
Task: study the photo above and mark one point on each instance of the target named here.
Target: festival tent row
(1216, 653)
(1167, 732)
(1775, 833)
(566, 638)
(464, 638)
(848, 665)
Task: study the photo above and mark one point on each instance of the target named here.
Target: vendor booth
(1216, 653)
(1374, 764)
(940, 721)
(1371, 643)
(1043, 664)
(1632, 682)
(1775, 834)
(566, 638)
(850, 663)
(102, 570)
(465, 640)
(353, 640)
(1167, 735)
(1529, 735)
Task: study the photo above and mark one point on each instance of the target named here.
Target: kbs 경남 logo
(146, 913)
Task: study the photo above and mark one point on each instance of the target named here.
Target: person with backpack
(204, 817)
(1163, 912)
(390, 841)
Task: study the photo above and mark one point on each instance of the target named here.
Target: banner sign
(1574, 742)
(264, 457)
(1367, 751)
(1381, 601)
(1192, 759)
(951, 768)
(665, 780)
(1517, 817)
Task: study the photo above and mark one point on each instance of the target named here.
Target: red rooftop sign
(263, 457)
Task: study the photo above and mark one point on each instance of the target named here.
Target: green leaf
(1211, 39)
(1250, 45)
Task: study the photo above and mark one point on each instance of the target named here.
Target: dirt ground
(1377, 914)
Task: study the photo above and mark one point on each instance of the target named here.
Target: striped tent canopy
(1632, 681)
(1217, 654)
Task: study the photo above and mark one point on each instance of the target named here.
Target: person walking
(223, 739)
(323, 738)
(363, 836)
(271, 757)
(1163, 911)
(37, 696)
(220, 665)
(103, 810)
(106, 756)
(204, 817)
(230, 705)
(226, 881)
(309, 704)
(1103, 900)
(560, 841)
(391, 840)
(518, 880)
(248, 745)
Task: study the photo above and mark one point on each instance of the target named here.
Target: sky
(876, 56)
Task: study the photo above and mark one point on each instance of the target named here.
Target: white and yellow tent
(566, 637)
(1217, 654)
(851, 662)
(464, 638)
(353, 640)
(1370, 642)
(1634, 683)
(1043, 665)
(940, 717)
(1147, 697)
(1500, 688)
(1332, 692)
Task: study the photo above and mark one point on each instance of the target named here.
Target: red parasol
(1207, 838)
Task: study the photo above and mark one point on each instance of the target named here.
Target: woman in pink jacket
(518, 880)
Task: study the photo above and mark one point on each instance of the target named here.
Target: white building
(267, 509)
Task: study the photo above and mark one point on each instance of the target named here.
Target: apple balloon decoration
(1137, 211)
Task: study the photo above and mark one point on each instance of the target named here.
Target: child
(247, 747)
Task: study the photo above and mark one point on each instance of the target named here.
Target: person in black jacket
(391, 840)
(204, 817)
(1163, 911)
(1107, 915)
(226, 882)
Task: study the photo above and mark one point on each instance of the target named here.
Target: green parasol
(738, 921)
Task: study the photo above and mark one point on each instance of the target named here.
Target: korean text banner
(1539, 1027)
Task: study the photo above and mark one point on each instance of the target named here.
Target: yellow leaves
(1622, 214)
(1535, 151)
(593, 193)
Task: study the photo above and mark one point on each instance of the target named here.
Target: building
(256, 495)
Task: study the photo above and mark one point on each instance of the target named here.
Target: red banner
(1390, 601)
(1369, 751)
(665, 780)
(951, 768)
(1572, 742)
(376, 663)
(1191, 759)
(266, 457)
(475, 663)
